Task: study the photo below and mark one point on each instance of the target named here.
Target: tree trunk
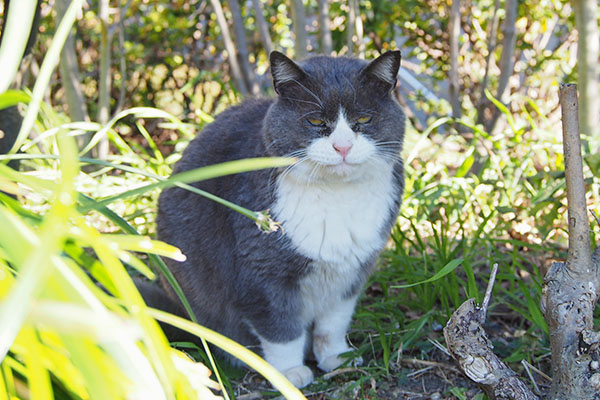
(71, 77)
(358, 26)
(299, 29)
(104, 82)
(570, 289)
(506, 58)
(242, 46)
(262, 26)
(230, 47)
(325, 27)
(122, 61)
(350, 25)
(483, 107)
(454, 87)
(587, 66)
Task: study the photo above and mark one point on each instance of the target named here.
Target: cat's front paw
(299, 376)
(334, 361)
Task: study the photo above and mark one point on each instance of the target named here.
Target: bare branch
(230, 47)
(580, 253)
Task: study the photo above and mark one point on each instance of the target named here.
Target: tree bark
(570, 289)
(299, 29)
(242, 47)
(262, 26)
(469, 345)
(506, 58)
(325, 27)
(454, 87)
(104, 81)
(230, 47)
(587, 65)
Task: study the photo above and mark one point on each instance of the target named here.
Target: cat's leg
(288, 358)
(329, 335)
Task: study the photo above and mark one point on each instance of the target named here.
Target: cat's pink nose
(342, 149)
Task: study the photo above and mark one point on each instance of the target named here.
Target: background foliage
(485, 183)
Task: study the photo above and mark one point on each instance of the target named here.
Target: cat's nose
(342, 149)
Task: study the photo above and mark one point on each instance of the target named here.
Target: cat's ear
(284, 71)
(384, 69)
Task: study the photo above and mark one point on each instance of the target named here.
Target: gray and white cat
(337, 204)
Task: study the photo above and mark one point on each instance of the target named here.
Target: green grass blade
(158, 262)
(509, 117)
(451, 266)
(12, 98)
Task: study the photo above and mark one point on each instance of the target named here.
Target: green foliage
(53, 260)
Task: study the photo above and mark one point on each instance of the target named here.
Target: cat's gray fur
(240, 281)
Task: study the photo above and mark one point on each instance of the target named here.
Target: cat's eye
(316, 122)
(364, 120)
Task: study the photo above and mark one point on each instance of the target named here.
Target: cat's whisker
(313, 174)
(352, 86)
(301, 101)
(289, 169)
(308, 113)
(398, 142)
(309, 92)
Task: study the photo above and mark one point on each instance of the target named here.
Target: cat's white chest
(337, 223)
(340, 226)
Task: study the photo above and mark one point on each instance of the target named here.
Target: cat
(282, 292)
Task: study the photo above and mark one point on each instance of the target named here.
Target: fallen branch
(469, 345)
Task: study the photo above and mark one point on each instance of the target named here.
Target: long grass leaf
(38, 379)
(158, 262)
(277, 379)
(3, 390)
(48, 65)
(14, 38)
(139, 112)
(199, 174)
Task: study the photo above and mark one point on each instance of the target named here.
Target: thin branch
(537, 371)
(526, 365)
(488, 292)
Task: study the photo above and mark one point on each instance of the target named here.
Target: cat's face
(336, 115)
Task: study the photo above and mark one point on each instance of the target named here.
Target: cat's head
(338, 116)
